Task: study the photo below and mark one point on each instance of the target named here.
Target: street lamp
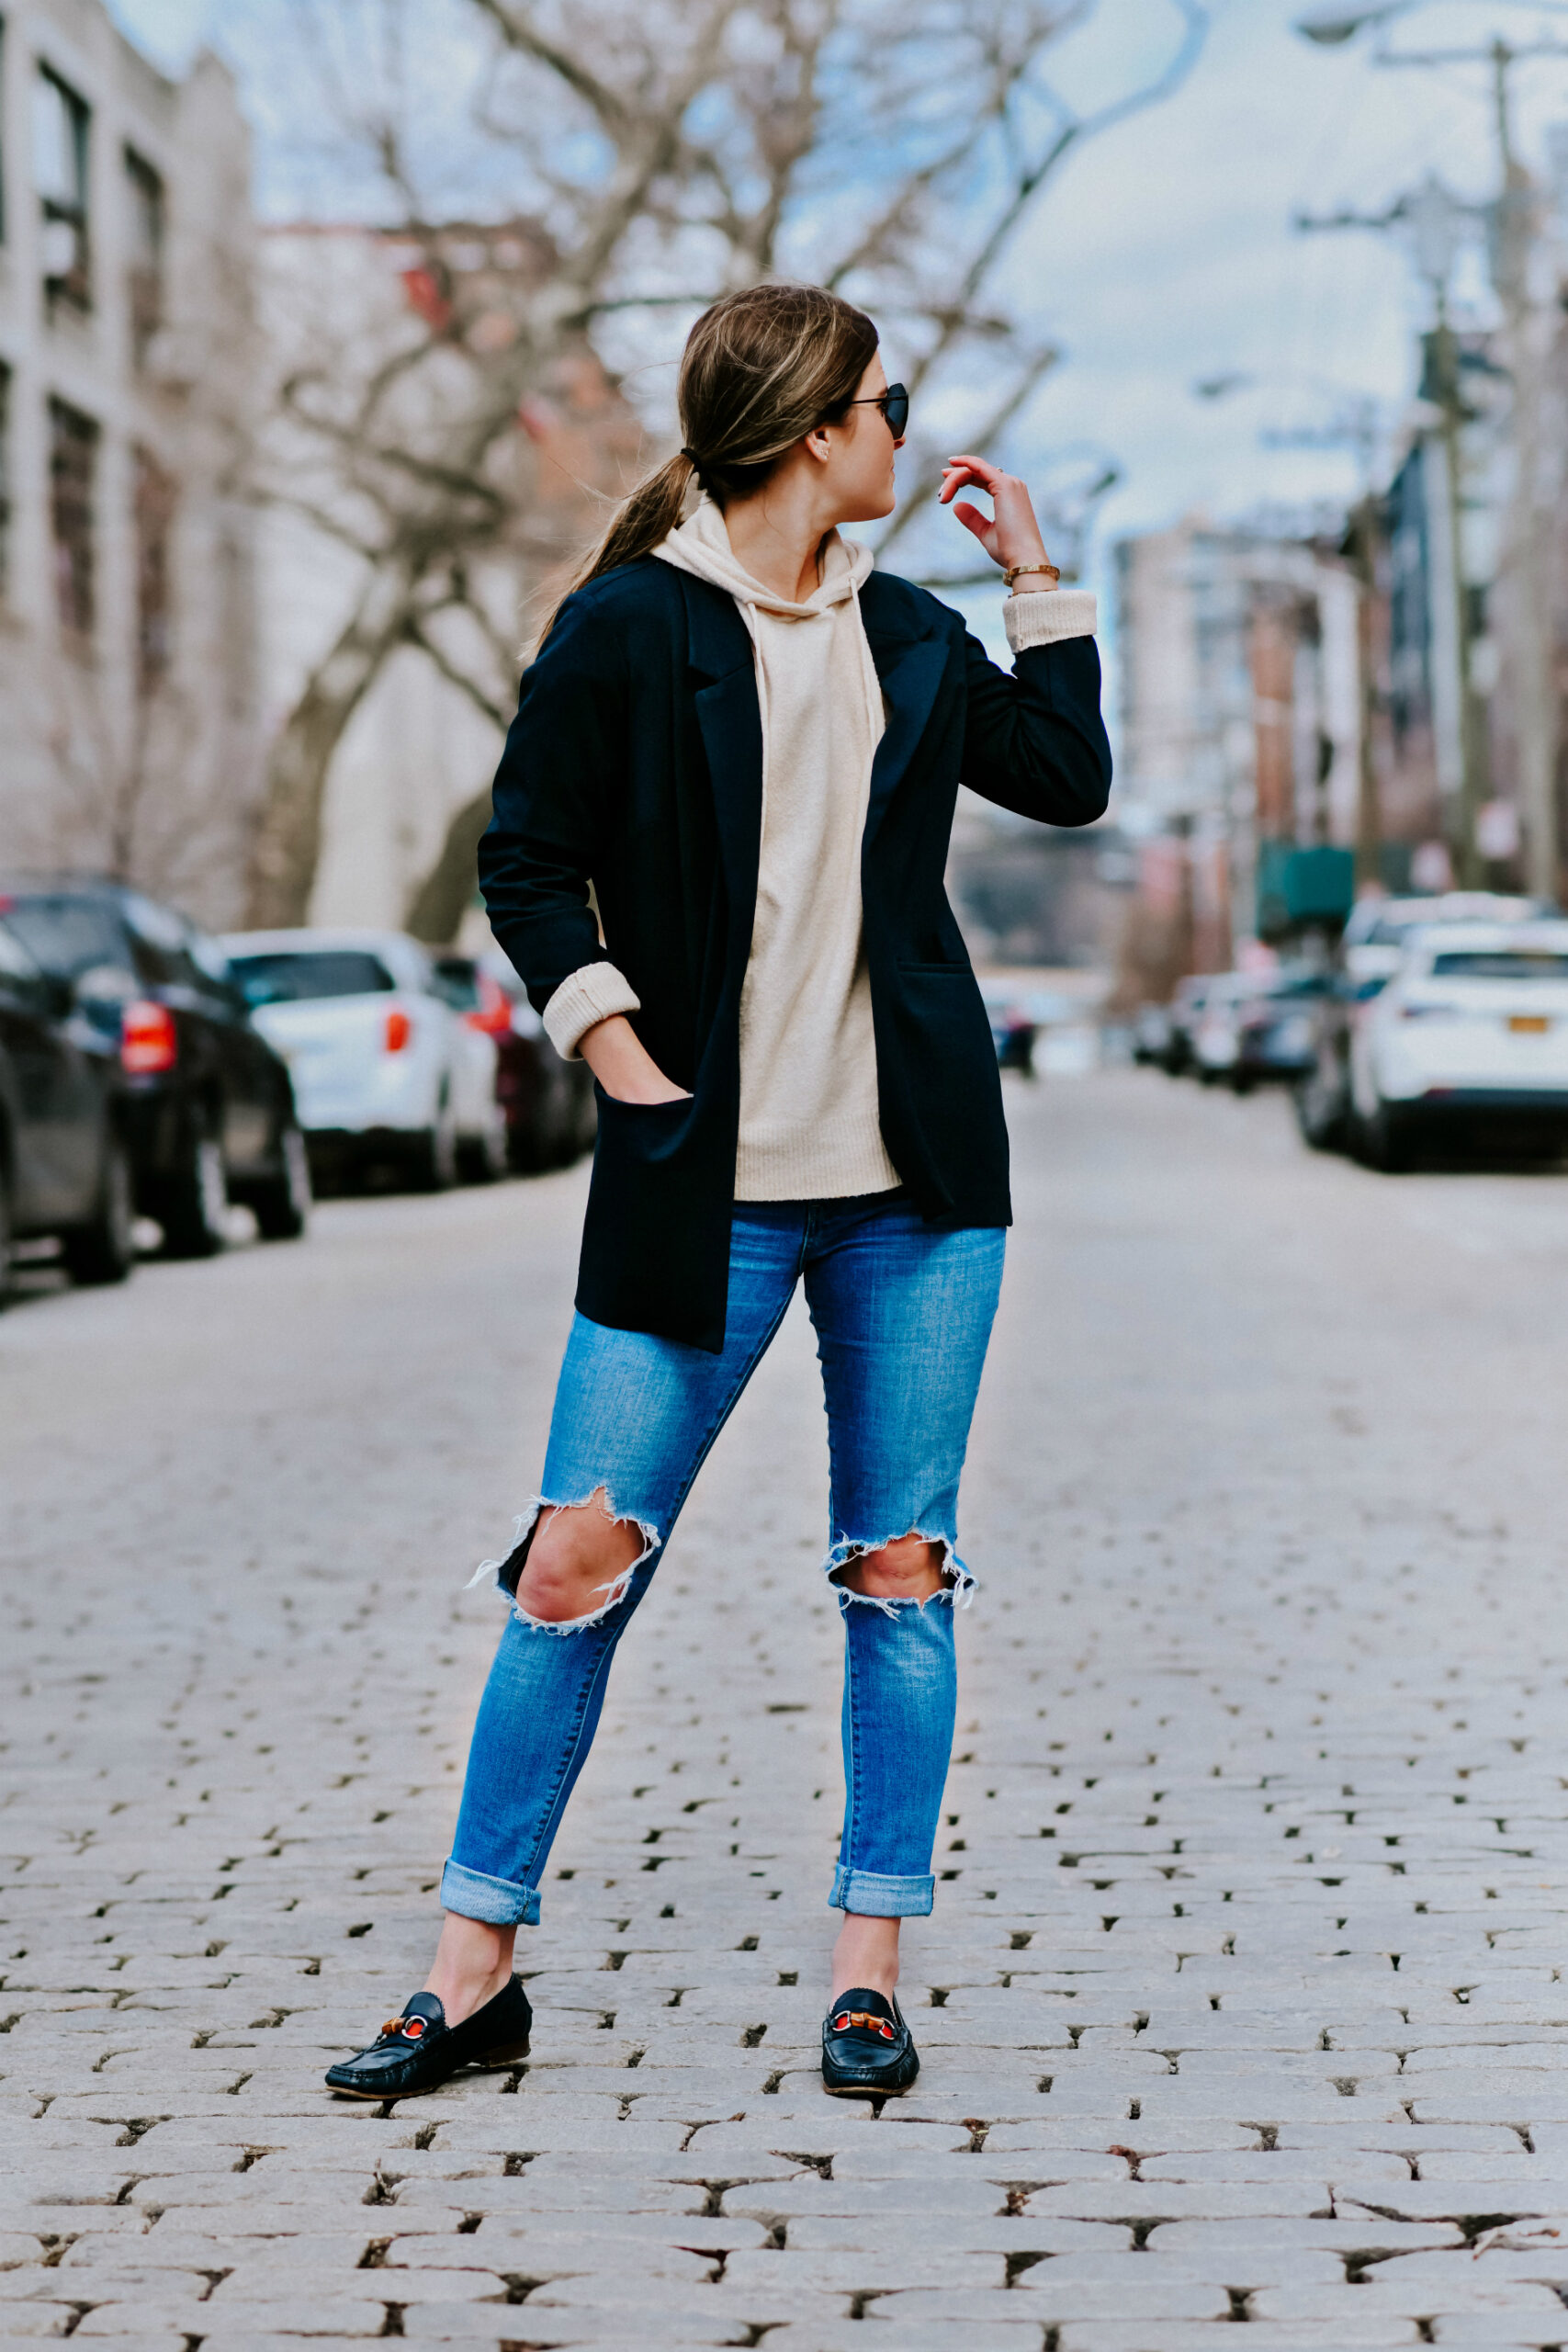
(1331, 26)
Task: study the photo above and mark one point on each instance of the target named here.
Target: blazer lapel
(719, 650)
(910, 672)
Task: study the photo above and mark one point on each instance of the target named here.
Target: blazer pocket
(948, 1050)
(639, 1134)
(608, 1101)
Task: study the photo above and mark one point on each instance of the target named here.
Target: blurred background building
(281, 507)
(129, 709)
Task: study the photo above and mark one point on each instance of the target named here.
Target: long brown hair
(760, 370)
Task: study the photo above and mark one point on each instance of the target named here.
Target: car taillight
(149, 1041)
(399, 1029)
(492, 1013)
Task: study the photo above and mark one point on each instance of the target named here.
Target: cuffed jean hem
(498, 1902)
(881, 1898)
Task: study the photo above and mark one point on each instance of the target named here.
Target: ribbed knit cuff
(1045, 615)
(588, 996)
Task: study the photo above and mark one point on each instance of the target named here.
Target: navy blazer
(635, 766)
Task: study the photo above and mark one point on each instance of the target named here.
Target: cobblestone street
(1244, 1999)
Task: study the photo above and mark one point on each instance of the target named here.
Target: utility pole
(1533, 700)
(1473, 732)
(1368, 810)
(1433, 216)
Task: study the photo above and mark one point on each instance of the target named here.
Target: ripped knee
(910, 1568)
(579, 1560)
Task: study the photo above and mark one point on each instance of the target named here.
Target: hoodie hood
(701, 546)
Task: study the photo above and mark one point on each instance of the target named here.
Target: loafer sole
(891, 2089)
(508, 2055)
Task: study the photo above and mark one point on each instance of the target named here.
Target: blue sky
(1164, 251)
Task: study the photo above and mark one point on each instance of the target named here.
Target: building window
(145, 192)
(61, 123)
(154, 521)
(5, 381)
(73, 464)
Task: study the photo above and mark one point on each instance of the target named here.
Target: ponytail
(760, 369)
(642, 522)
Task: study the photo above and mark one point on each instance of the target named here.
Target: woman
(748, 744)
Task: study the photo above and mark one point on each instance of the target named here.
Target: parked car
(1186, 1010)
(1259, 1026)
(383, 1068)
(64, 1169)
(207, 1111)
(1151, 1034)
(1369, 953)
(1213, 1025)
(1014, 1025)
(1471, 1034)
(548, 1103)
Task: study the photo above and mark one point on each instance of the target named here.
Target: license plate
(1529, 1024)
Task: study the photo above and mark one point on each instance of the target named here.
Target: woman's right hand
(623, 1065)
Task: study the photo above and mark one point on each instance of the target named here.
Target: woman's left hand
(1010, 535)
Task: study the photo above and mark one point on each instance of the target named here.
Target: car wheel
(4, 1232)
(105, 1250)
(433, 1157)
(1320, 1113)
(192, 1206)
(1388, 1139)
(281, 1205)
(483, 1157)
(524, 1154)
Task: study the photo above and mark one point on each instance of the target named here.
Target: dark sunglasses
(895, 406)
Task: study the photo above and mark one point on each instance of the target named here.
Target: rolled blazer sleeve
(1035, 743)
(554, 796)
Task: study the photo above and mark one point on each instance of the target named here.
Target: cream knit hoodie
(809, 1128)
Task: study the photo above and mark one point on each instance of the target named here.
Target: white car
(1473, 1027)
(383, 1066)
(1216, 1030)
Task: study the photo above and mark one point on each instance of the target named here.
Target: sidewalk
(1244, 1995)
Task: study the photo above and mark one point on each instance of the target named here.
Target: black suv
(208, 1109)
(65, 1171)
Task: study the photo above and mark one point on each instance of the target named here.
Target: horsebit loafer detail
(868, 2052)
(419, 2049)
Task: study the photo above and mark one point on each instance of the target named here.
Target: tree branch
(519, 32)
(416, 634)
(929, 478)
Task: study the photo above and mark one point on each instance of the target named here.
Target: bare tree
(121, 786)
(640, 159)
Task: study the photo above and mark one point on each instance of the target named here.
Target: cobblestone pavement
(1243, 2000)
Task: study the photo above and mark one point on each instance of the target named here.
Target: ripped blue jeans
(903, 1314)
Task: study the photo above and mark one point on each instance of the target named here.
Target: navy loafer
(419, 2049)
(868, 2052)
